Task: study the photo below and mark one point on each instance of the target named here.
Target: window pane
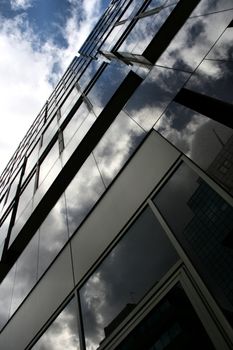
(6, 289)
(62, 333)
(53, 235)
(154, 94)
(107, 84)
(82, 193)
(26, 273)
(203, 223)
(172, 324)
(138, 261)
(205, 141)
(69, 103)
(48, 162)
(117, 145)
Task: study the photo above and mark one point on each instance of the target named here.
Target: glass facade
(124, 185)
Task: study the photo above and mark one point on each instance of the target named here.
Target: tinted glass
(26, 273)
(89, 73)
(6, 289)
(194, 40)
(138, 261)
(154, 94)
(48, 162)
(32, 159)
(172, 324)
(75, 123)
(53, 235)
(203, 223)
(62, 333)
(206, 142)
(69, 103)
(117, 145)
(83, 192)
(49, 133)
(223, 47)
(213, 78)
(143, 32)
(208, 6)
(107, 84)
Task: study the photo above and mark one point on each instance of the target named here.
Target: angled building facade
(116, 227)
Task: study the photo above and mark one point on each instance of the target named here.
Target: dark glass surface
(194, 40)
(209, 6)
(49, 133)
(157, 3)
(75, 123)
(206, 142)
(132, 9)
(107, 84)
(213, 78)
(53, 234)
(26, 273)
(144, 31)
(203, 223)
(21, 220)
(25, 196)
(13, 187)
(138, 262)
(154, 94)
(117, 145)
(62, 334)
(6, 289)
(171, 325)
(222, 50)
(4, 228)
(114, 36)
(82, 193)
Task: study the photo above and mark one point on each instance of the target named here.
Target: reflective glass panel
(62, 334)
(53, 235)
(154, 94)
(49, 133)
(194, 40)
(6, 290)
(107, 84)
(4, 228)
(26, 273)
(138, 261)
(144, 31)
(76, 121)
(206, 142)
(82, 193)
(26, 196)
(69, 103)
(203, 223)
(32, 159)
(172, 324)
(13, 188)
(89, 73)
(213, 78)
(117, 145)
(48, 162)
(209, 6)
(223, 47)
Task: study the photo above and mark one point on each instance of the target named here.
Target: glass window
(209, 6)
(213, 78)
(32, 159)
(194, 40)
(154, 94)
(222, 50)
(6, 289)
(74, 124)
(172, 324)
(82, 193)
(139, 261)
(144, 31)
(89, 73)
(107, 84)
(53, 235)
(203, 223)
(205, 141)
(13, 187)
(26, 273)
(62, 333)
(3, 231)
(48, 162)
(75, 140)
(49, 133)
(69, 103)
(157, 3)
(117, 145)
(25, 196)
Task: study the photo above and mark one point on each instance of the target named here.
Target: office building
(116, 208)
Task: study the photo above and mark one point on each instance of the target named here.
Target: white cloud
(26, 68)
(21, 4)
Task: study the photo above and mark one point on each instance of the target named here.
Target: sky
(38, 40)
